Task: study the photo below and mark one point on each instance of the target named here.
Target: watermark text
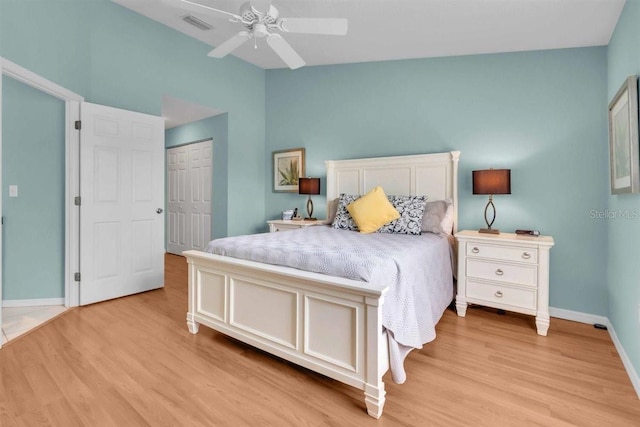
(614, 214)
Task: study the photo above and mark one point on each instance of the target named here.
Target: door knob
(159, 210)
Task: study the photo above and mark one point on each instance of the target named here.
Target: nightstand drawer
(504, 253)
(521, 298)
(287, 224)
(503, 272)
(285, 227)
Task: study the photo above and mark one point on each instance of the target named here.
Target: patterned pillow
(410, 208)
(343, 220)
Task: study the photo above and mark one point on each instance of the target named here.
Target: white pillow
(447, 221)
(438, 217)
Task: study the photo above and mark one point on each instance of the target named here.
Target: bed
(332, 325)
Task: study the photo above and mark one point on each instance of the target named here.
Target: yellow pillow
(372, 211)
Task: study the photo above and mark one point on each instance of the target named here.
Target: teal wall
(538, 113)
(216, 129)
(33, 149)
(113, 56)
(624, 234)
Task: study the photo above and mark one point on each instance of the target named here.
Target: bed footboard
(330, 325)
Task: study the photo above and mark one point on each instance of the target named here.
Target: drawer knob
(498, 294)
(475, 250)
(526, 255)
(499, 272)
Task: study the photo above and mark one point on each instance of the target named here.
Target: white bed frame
(328, 324)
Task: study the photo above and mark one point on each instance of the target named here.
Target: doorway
(71, 194)
(71, 107)
(189, 195)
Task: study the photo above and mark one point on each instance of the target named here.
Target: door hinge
(76, 277)
(77, 200)
(78, 125)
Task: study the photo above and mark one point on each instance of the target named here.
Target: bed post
(191, 323)
(455, 157)
(374, 394)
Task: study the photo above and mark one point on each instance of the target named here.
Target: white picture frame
(623, 139)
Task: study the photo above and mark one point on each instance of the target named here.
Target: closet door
(200, 167)
(189, 186)
(177, 180)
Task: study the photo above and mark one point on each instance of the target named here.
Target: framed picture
(288, 166)
(623, 139)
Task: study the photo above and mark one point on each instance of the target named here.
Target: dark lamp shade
(492, 181)
(309, 186)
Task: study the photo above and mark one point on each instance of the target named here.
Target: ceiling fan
(262, 20)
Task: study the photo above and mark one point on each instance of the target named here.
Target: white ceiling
(381, 30)
(177, 112)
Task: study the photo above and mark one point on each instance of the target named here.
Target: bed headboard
(433, 175)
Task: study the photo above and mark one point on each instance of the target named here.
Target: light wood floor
(131, 362)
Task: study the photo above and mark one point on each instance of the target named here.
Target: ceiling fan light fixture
(261, 20)
(260, 31)
(198, 23)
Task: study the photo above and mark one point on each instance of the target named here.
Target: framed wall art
(623, 139)
(288, 166)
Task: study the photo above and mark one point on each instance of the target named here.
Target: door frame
(72, 177)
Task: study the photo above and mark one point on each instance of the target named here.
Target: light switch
(13, 191)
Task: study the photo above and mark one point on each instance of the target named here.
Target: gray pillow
(434, 213)
(333, 210)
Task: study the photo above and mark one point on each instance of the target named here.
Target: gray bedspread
(417, 270)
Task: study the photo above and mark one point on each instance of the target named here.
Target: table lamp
(309, 186)
(491, 181)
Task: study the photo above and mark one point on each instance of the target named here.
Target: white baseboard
(633, 375)
(32, 302)
(577, 316)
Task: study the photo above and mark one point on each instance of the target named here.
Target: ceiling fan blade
(196, 7)
(261, 6)
(330, 26)
(285, 51)
(230, 45)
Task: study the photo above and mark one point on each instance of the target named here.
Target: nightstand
(505, 271)
(287, 224)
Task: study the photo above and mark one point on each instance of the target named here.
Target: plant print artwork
(623, 139)
(622, 160)
(288, 170)
(288, 167)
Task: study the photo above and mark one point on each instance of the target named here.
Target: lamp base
(489, 231)
(311, 219)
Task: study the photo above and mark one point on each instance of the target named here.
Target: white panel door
(177, 170)
(200, 166)
(122, 192)
(189, 174)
